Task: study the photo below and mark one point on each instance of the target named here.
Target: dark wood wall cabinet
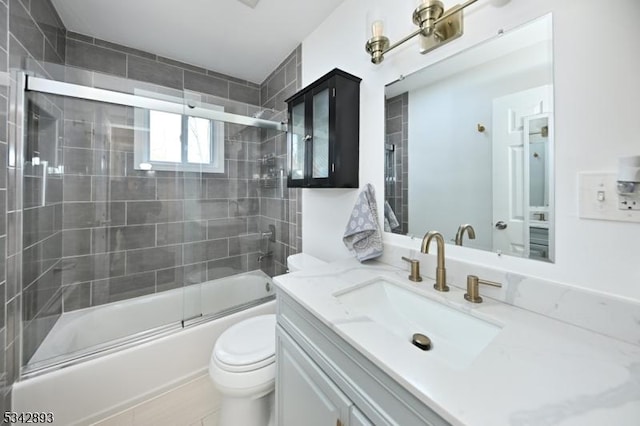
(323, 139)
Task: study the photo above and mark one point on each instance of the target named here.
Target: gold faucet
(460, 233)
(441, 272)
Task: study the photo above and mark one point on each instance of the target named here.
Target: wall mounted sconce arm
(435, 28)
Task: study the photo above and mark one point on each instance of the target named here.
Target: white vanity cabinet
(311, 397)
(322, 380)
(356, 418)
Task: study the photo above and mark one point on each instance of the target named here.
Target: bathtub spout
(264, 256)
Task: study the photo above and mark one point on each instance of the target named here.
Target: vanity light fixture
(436, 27)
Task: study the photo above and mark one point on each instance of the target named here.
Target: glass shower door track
(43, 85)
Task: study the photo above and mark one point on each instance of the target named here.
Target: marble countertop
(537, 371)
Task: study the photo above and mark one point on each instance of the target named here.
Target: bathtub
(120, 354)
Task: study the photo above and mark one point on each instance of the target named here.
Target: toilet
(303, 261)
(242, 365)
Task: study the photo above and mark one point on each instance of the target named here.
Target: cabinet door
(320, 162)
(304, 394)
(324, 133)
(298, 139)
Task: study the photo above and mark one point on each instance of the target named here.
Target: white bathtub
(98, 387)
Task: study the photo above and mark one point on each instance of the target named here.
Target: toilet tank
(302, 261)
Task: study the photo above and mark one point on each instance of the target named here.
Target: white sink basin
(457, 337)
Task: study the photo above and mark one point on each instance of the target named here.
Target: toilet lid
(247, 345)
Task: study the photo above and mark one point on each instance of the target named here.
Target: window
(178, 142)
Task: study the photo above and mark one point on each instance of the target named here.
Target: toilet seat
(244, 368)
(247, 345)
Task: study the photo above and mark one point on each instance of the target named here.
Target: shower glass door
(139, 207)
(101, 229)
(42, 249)
(114, 220)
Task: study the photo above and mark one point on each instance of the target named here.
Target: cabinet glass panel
(297, 142)
(321, 135)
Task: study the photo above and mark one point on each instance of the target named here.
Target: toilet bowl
(242, 365)
(242, 368)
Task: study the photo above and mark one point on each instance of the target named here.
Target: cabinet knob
(307, 138)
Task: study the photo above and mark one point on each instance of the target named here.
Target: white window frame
(141, 150)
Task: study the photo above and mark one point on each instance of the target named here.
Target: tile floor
(193, 404)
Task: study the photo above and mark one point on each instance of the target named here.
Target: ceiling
(226, 36)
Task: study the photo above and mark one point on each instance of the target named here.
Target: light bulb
(377, 28)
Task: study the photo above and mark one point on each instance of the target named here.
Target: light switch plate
(599, 199)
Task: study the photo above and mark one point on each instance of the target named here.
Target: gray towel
(390, 218)
(362, 235)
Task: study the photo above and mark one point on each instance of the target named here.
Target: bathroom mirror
(469, 140)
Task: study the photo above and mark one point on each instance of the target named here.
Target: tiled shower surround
(128, 232)
(397, 134)
(280, 205)
(104, 231)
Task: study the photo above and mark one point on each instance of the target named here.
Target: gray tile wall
(128, 233)
(31, 293)
(397, 133)
(98, 55)
(282, 208)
